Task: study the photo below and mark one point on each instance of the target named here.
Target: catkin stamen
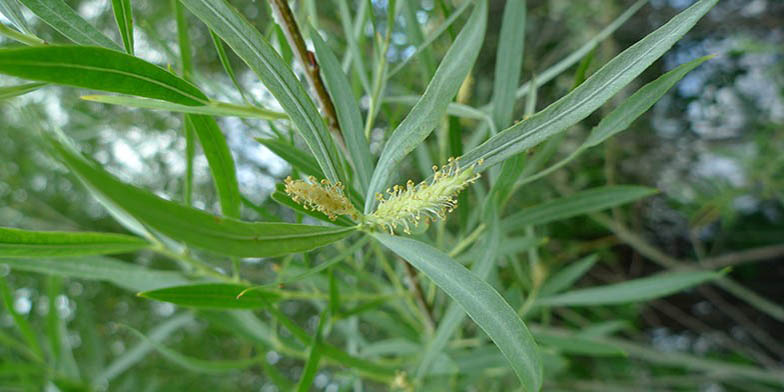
(411, 204)
(322, 196)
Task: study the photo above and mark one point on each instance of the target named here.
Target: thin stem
(416, 290)
(307, 59)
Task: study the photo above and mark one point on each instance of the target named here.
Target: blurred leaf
(485, 306)
(221, 163)
(347, 110)
(635, 290)
(195, 364)
(431, 108)
(20, 89)
(98, 69)
(213, 108)
(197, 228)
(583, 202)
(25, 243)
(61, 17)
(509, 61)
(214, 296)
(224, 59)
(590, 95)
(314, 356)
(276, 76)
(20, 321)
(566, 277)
(123, 14)
(126, 275)
(571, 344)
(12, 10)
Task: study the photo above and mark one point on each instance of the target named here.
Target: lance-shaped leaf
(214, 296)
(482, 303)
(20, 89)
(591, 94)
(251, 46)
(582, 202)
(643, 289)
(123, 14)
(25, 243)
(98, 69)
(64, 19)
(194, 227)
(431, 108)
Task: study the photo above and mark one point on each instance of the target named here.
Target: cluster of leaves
(375, 326)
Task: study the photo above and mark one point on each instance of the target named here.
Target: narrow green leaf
(98, 69)
(637, 290)
(214, 296)
(485, 306)
(224, 59)
(213, 108)
(12, 10)
(430, 109)
(572, 344)
(123, 14)
(509, 61)
(583, 202)
(15, 91)
(129, 276)
(197, 228)
(195, 364)
(314, 356)
(642, 100)
(591, 94)
(347, 110)
(221, 162)
(566, 277)
(61, 17)
(25, 243)
(252, 48)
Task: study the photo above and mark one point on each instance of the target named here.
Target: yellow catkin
(411, 204)
(322, 196)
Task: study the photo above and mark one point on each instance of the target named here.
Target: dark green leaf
(98, 69)
(197, 228)
(123, 14)
(214, 296)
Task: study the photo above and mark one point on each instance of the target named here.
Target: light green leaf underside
(64, 19)
(25, 243)
(194, 227)
(482, 303)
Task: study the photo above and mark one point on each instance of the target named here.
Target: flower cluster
(323, 196)
(426, 201)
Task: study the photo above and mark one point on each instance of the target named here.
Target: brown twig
(307, 59)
